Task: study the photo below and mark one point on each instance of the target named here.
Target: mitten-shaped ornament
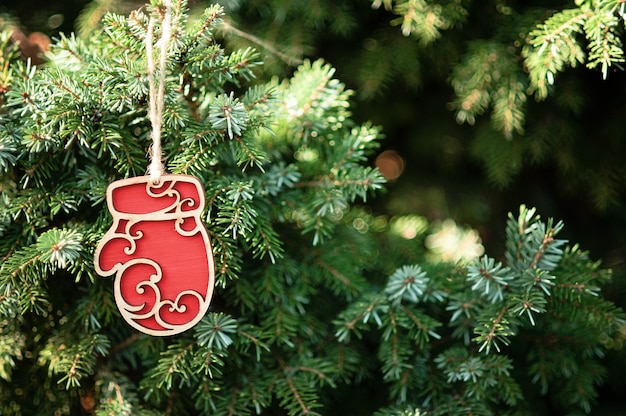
(159, 252)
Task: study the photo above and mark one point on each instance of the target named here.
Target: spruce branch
(297, 394)
(126, 343)
(424, 19)
(74, 361)
(554, 44)
(605, 49)
(201, 35)
(335, 273)
(494, 332)
(215, 328)
(12, 347)
(488, 77)
(227, 26)
(173, 365)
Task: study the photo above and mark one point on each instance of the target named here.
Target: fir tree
(316, 300)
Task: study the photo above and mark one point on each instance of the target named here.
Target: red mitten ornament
(159, 252)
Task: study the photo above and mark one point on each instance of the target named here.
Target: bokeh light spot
(55, 21)
(390, 164)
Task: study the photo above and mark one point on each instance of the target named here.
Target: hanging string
(157, 92)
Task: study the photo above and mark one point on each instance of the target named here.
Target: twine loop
(157, 89)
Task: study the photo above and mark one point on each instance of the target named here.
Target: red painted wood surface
(159, 252)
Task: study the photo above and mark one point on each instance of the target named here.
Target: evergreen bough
(490, 75)
(310, 308)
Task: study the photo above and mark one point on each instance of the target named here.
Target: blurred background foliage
(415, 79)
(467, 138)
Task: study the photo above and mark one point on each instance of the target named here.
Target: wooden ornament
(159, 251)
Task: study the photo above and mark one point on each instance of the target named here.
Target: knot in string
(157, 92)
